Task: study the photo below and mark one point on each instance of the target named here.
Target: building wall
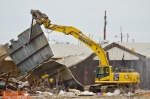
(117, 54)
(84, 71)
(147, 73)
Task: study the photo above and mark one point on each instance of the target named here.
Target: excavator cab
(102, 72)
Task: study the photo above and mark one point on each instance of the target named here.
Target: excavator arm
(42, 18)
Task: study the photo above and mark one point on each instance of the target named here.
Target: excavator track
(124, 88)
(100, 88)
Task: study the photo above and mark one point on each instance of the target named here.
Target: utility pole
(121, 32)
(122, 35)
(127, 36)
(105, 23)
(91, 36)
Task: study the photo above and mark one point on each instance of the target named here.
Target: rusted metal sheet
(2, 50)
(27, 56)
(3, 54)
(2, 57)
(6, 65)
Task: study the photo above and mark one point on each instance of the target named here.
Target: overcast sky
(86, 15)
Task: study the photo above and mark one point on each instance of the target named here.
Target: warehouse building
(133, 56)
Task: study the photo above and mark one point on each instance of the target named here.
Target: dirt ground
(94, 97)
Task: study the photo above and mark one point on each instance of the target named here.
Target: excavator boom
(42, 18)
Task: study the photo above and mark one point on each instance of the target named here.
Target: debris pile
(8, 82)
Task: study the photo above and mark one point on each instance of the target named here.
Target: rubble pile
(9, 83)
(77, 94)
(43, 87)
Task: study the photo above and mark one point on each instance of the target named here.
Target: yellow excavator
(105, 77)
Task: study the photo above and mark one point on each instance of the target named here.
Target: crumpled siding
(28, 56)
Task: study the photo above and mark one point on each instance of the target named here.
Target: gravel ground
(93, 97)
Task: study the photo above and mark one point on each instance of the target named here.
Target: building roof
(63, 50)
(141, 48)
(71, 60)
(138, 49)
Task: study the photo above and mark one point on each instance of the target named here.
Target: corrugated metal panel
(52, 68)
(27, 56)
(58, 72)
(117, 54)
